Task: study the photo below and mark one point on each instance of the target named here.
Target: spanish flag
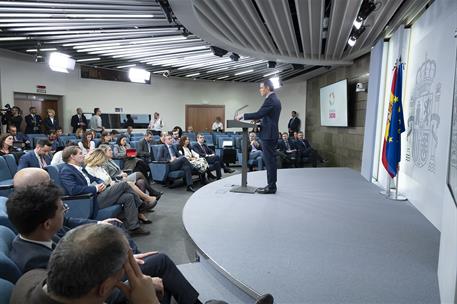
(391, 150)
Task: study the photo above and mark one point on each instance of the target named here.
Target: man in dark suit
(168, 152)
(18, 138)
(269, 114)
(33, 122)
(204, 151)
(37, 158)
(79, 120)
(75, 180)
(294, 124)
(287, 151)
(144, 147)
(306, 153)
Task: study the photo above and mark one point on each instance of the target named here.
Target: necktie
(43, 162)
(287, 145)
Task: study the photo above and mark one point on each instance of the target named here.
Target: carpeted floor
(167, 231)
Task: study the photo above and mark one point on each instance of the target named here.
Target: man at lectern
(269, 114)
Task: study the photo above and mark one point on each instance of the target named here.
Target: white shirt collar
(268, 94)
(44, 243)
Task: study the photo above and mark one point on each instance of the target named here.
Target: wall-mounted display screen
(122, 121)
(334, 104)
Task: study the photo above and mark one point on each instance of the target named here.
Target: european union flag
(391, 151)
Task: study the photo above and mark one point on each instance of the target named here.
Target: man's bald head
(30, 177)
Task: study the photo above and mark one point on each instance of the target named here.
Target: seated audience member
(190, 129)
(56, 141)
(105, 138)
(77, 181)
(169, 153)
(117, 174)
(306, 153)
(255, 150)
(295, 136)
(18, 138)
(87, 144)
(38, 157)
(130, 162)
(99, 257)
(57, 156)
(178, 128)
(51, 123)
(79, 120)
(128, 133)
(199, 164)
(286, 151)
(144, 147)
(218, 126)
(33, 122)
(175, 137)
(96, 121)
(79, 133)
(204, 151)
(94, 162)
(114, 134)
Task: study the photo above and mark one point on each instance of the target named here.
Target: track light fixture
(234, 57)
(367, 7)
(355, 35)
(218, 51)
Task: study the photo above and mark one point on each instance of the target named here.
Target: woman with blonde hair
(51, 123)
(117, 174)
(94, 166)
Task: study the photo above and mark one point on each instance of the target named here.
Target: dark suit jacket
(50, 126)
(75, 183)
(29, 289)
(294, 124)
(29, 160)
(269, 113)
(31, 124)
(282, 146)
(143, 149)
(28, 255)
(202, 150)
(75, 122)
(250, 147)
(164, 155)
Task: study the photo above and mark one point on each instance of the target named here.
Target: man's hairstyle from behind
(69, 151)
(268, 84)
(84, 258)
(44, 142)
(31, 206)
(96, 110)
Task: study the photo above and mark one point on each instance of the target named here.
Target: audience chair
(8, 269)
(161, 169)
(11, 163)
(6, 288)
(4, 220)
(85, 205)
(6, 178)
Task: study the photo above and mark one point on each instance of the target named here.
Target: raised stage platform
(326, 236)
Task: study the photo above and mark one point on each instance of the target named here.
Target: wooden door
(41, 105)
(201, 117)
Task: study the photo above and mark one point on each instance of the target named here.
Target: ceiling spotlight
(352, 41)
(271, 64)
(139, 75)
(166, 74)
(218, 51)
(234, 57)
(358, 22)
(367, 7)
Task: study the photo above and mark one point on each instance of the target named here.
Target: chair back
(5, 173)
(11, 162)
(4, 220)
(8, 269)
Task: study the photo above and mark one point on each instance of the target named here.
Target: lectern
(244, 188)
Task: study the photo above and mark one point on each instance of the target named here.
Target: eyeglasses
(65, 208)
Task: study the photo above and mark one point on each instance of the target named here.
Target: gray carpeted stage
(327, 236)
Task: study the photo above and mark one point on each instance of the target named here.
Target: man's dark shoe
(190, 189)
(265, 299)
(266, 190)
(215, 302)
(210, 175)
(228, 170)
(138, 231)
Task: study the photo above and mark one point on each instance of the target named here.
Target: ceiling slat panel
(303, 12)
(266, 8)
(350, 13)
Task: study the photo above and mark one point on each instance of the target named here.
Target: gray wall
(342, 147)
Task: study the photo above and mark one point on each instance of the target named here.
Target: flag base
(391, 195)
